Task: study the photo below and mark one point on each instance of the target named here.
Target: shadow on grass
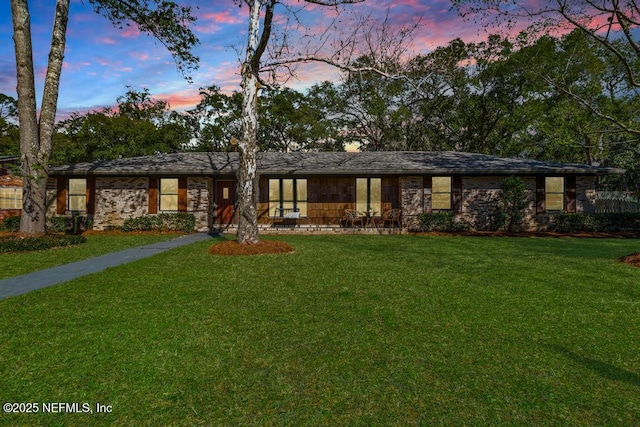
(603, 369)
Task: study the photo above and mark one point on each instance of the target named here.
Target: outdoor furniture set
(370, 219)
(391, 218)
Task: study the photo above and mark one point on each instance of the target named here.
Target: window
(10, 197)
(287, 195)
(441, 192)
(554, 193)
(369, 194)
(169, 194)
(77, 195)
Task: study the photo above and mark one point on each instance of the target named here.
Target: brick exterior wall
(200, 201)
(52, 189)
(118, 199)
(480, 196)
(412, 200)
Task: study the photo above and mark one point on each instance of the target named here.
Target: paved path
(63, 273)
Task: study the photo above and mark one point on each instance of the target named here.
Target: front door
(226, 198)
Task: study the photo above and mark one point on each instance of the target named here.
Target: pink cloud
(213, 22)
(130, 32)
(107, 40)
(140, 56)
(181, 99)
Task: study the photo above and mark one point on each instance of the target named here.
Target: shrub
(596, 222)
(442, 221)
(11, 223)
(513, 202)
(56, 224)
(26, 244)
(179, 222)
(75, 224)
(185, 222)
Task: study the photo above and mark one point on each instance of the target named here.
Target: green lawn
(348, 330)
(15, 264)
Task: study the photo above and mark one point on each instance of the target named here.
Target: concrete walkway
(52, 276)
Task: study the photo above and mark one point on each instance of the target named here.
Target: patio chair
(391, 217)
(354, 217)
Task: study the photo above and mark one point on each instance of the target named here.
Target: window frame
(77, 195)
(561, 193)
(450, 193)
(15, 201)
(278, 205)
(370, 202)
(167, 193)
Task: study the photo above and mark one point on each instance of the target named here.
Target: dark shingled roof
(331, 163)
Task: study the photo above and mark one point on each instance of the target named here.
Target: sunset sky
(101, 61)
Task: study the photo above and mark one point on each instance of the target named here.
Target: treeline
(562, 99)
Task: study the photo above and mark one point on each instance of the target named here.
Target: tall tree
(163, 19)
(613, 24)
(260, 32)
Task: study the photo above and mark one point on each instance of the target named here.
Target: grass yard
(348, 330)
(15, 264)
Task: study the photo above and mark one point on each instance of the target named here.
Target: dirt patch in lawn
(633, 259)
(232, 247)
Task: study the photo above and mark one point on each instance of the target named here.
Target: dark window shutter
(457, 194)
(570, 194)
(91, 196)
(153, 195)
(61, 196)
(540, 205)
(182, 194)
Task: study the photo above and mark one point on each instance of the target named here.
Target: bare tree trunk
(247, 187)
(35, 137)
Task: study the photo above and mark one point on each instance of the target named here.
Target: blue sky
(100, 61)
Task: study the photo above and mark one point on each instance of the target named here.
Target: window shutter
(61, 196)
(570, 194)
(153, 195)
(182, 194)
(91, 196)
(456, 183)
(540, 204)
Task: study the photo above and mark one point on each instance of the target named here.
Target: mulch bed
(232, 247)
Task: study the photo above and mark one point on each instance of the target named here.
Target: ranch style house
(318, 186)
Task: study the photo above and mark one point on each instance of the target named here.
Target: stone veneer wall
(480, 197)
(585, 201)
(200, 201)
(586, 194)
(52, 191)
(411, 199)
(118, 199)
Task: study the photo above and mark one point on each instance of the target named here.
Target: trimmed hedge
(596, 222)
(27, 244)
(54, 224)
(185, 222)
(442, 221)
(76, 224)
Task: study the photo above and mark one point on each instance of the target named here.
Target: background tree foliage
(503, 96)
(9, 137)
(139, 125)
